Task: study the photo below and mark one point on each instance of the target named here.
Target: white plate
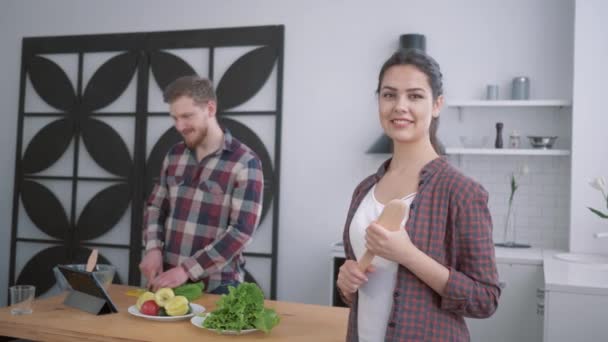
(196, 309)
(197, 321)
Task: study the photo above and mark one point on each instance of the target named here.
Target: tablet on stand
(87, 293)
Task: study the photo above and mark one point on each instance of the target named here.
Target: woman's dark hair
(430, 68)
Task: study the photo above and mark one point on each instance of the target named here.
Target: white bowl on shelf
(542, 142)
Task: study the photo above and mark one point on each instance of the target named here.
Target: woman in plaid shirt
(440, 268)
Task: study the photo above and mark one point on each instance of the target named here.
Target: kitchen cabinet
(575, 317)
(576, 299)
(519, 313)
(512, 104)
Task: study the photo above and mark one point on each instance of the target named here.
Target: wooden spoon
(391, 217)
(92, 261)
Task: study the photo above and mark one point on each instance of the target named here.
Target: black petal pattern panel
(39, 269)
(103, 212)
(249, 138)
(44, 209)
(76, 129)
(109, 81)
(158, 153)
(167, 67)
(250, 279)
(47, 146)
(106, 147)
(51, 83)
(245, 77)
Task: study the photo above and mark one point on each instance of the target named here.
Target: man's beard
(197, 139)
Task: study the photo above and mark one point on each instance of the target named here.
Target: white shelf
(511, 103)
(507, 151)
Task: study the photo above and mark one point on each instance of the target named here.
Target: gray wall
(333, 50)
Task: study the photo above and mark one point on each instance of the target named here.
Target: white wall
(333, 50)
(541, 203)
(590, 124)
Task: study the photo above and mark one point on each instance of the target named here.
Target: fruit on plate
(150, 308)
(163, 295)
(177, 306)
(144, 297)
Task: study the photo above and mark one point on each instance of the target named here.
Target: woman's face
(406, 104)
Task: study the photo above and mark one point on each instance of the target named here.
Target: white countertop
(563, 276)
(527, 256)
(559, 275)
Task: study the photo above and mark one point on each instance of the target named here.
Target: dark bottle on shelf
(498, 142)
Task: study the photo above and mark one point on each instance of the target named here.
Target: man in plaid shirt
(207, 203)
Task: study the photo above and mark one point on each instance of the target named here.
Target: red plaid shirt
(202, 214)
(449, 221)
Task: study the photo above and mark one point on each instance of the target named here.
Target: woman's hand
(350, 278)
(395, 246)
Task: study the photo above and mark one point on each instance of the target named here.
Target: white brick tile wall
(541, 203)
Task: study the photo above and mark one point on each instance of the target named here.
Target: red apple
(150, 308)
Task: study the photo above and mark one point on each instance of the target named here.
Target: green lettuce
(242, 308)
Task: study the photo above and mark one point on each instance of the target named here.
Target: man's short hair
(198, 88)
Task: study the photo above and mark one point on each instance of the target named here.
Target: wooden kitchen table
(53, 321)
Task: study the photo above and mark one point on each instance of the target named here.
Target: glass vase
(509, 237)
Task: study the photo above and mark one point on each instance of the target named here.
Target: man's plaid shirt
(202, 214)
(449, 221)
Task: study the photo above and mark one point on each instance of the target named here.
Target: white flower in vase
(599, 183)
(509, 224)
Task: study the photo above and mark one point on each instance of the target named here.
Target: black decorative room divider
(93, 131)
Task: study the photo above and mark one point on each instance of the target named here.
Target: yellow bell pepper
(177, 306)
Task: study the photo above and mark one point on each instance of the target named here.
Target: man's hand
(171, 278)
(152, 264)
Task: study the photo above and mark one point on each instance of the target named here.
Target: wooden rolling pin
(391, 217)
(92, 261)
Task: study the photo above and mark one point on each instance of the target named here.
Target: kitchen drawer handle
(540, 293)
(540, 309)
(502, 284)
